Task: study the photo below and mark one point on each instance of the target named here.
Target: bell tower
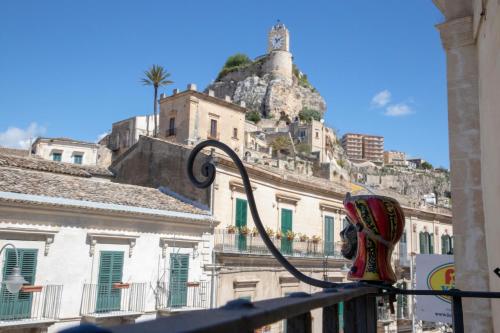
(279, 63)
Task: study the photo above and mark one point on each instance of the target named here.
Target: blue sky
(71, 68)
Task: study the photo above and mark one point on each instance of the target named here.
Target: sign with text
(434, 272)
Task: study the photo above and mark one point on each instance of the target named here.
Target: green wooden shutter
(431, 243)
(110, 272)
(421, 237)
(329, 235)
(241, 221)
(179, 270)
(18, 306)
(286, 225)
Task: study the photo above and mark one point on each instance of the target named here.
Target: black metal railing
(191, 296)
(250, 243)
(114, 298)
(40, 302)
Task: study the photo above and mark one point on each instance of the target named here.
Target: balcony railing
(113, 299)
(32, 303)
(188, 296)
(213, 136)
(171, 132)
(228, 242)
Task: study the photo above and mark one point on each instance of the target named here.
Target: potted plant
(244, 230)
(316, 239)
(270, 232)
(303, 237)
(231, 229)
(278, 234)
(290, 235)
(255, 232)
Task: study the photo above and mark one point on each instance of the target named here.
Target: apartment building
(394, 157)
(362, 147)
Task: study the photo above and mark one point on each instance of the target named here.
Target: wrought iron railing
(191, 296)
(114, 298)
(236, 242)
(40, 302)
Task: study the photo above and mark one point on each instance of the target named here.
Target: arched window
(446, 244)
(426, 243)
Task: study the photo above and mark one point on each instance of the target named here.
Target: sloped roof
(53, 185)
(36, 163)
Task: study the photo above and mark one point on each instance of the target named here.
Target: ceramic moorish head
(379, 222)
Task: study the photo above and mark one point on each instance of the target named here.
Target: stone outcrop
(271, 95)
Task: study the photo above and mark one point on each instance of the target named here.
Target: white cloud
(100, 136)
(398, 110)
(15, 137)
(381, 99)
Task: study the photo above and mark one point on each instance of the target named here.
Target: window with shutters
(213, 129)
(286, 225)
(179, 270)
(241, 221)
(18, 306)
(110, 272)
(329, 244)
(56, 157)
(426, 243)
(446, 244)
(402, 302)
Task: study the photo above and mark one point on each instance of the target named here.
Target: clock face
(277, 41)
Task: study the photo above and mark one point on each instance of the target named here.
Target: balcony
(228, 242)
(213, 136)
(191, 296)
(171, 132)
(112, 300)
(33, 306)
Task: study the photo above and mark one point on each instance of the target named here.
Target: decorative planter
(31, 289)
(121, 285)
(192, 284)
(379, 222)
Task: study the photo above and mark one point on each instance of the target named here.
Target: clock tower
(279, 62)
(278, 38)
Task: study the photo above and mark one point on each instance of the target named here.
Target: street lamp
(15, 280)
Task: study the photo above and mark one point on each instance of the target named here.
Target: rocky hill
(270, 95)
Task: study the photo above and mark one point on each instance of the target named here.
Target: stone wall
(153, 163)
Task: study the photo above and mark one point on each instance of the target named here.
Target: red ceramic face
(380, 222)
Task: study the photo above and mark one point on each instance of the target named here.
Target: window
(317, 135)
(213, 128)
(426, 243)
(56, 157)
(235, 133)
(110, 272)
(18, 306)
(329, 244)
(446, 244)
(241, 221)
(179, 269)
(171, 127)
(77, 159)
(402, 302)
(286, 226)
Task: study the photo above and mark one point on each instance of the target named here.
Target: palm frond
(156, 76)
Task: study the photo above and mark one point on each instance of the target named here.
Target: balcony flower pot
(315, 239)
(31, 289)
(192, 284)
(270, 232)
(290, 235)
(231, 229)
(303, 238)
(244, 230)
(255, 232)
(121, 285)
(278, 235)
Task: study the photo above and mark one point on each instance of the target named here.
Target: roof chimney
(175, 91)
(243, 104)
(162, 96)
(191, 86)
(211, 93)
(227, 98)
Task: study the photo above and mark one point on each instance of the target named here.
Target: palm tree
(156, 76)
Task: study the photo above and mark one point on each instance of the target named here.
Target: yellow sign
(442, 278)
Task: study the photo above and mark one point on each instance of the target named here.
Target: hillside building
(362, 147)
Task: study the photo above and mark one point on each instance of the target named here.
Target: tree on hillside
(426, 166)
(280, 144)
(156, 76)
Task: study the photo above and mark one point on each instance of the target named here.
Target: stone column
(471, 260)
